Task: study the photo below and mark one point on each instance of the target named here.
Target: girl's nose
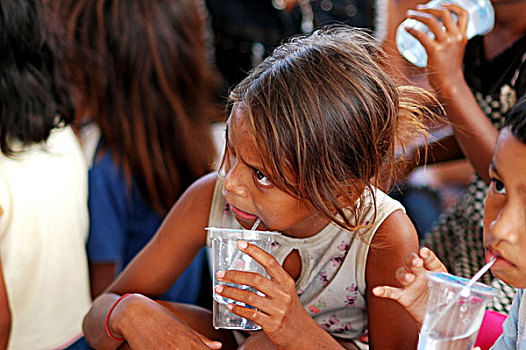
(234, 183)
(507, 225)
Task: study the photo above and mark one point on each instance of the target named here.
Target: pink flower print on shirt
(300, 292)
(337, 261)
(352, 288)
(344, 246)
(313, 309)
(345, 328)
(323, 277)
(274, 244)
(350, 301)
(333, 320)
(352, 296)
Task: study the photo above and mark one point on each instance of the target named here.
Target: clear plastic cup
(451, 321)
(481, 21)
(226, 256)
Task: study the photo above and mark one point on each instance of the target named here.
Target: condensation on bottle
(481, 20)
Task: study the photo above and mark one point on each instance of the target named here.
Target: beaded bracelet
(108, 318)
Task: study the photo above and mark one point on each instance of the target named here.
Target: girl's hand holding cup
(280, 312)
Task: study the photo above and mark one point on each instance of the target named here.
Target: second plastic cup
(226, 256)
(452, 322)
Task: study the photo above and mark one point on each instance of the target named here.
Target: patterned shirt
(332, 284)
(513, 336)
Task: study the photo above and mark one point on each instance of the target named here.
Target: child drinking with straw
(311, 133)
(504, 235)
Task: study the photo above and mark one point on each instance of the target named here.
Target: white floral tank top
(331, 285)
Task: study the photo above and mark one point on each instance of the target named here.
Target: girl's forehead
(509, 160)
(238, 119)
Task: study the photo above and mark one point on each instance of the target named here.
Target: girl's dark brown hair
(145, 79)
(33, 92)
(327, 119)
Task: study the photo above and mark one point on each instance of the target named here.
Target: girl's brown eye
(262, 179)
(498, 186)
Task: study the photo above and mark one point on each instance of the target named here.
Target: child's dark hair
(33, 97)
(326, 119)
(516, 119)
(145, 79)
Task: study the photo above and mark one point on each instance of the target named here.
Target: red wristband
(107, 324)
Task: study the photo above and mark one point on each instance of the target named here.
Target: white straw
(256, 224)
(467, 288)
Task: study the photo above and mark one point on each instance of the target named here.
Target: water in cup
(226, 256)
(433, 339)
(451, 320)
(481, 21)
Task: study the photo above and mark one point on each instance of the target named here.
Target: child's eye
(498, 186)
(262, 179)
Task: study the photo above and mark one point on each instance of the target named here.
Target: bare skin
(475, 135)
(412, 278)
(146, 324)
(504, 232)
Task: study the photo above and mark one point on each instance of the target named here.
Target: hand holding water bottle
(446, 50)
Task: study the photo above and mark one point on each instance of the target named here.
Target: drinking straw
(256, 224)
(464, 292)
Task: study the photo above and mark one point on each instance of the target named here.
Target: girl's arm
(390, 326)
(5, 312)
(101, 275)
(474, 132)
(152, 272)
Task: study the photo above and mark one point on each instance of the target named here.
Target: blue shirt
(121, 223)
(513, 328)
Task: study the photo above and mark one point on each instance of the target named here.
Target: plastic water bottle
(481, 20)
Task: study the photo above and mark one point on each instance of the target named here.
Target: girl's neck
(308, 227)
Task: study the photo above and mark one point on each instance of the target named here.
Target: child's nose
(234, 183)
(507, 225)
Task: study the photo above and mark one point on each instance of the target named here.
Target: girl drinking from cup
(311, 136)
(504, 235)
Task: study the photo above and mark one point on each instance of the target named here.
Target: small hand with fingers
(446, 51)
(279, 312)
(414, 292)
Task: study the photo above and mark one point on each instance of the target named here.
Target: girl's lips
(243, 215)
(500, 262)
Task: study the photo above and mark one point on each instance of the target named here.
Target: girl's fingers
(404, 276)
(253, 315)
(388, 292)
(211, 344)
(248, 297)
(429, 20)
(273, 268)
(424, 39)
(252, 279)
(431, 262)
(462, 16)
(444, 15)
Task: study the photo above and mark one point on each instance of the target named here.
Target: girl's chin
(510, 278)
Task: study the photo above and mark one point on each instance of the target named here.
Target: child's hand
(414, 292)
(280, 312)
(150, 325)
(446, 51)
